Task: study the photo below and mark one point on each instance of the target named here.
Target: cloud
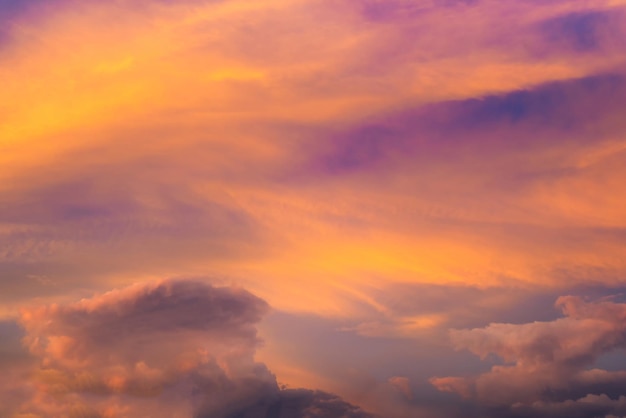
(545, 361)
(585, 407)
(175, 348)
(402, 385)
(296, 403)
(585, 31)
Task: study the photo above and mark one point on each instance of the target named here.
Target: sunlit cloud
(546, 361)
(173, 348)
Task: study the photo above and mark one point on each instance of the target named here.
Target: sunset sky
(312, 208)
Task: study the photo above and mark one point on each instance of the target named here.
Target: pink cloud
(174, 348)
(544, 361)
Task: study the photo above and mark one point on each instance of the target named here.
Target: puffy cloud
(175, 348)
(545, 361)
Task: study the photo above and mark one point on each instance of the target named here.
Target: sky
(312, 209)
